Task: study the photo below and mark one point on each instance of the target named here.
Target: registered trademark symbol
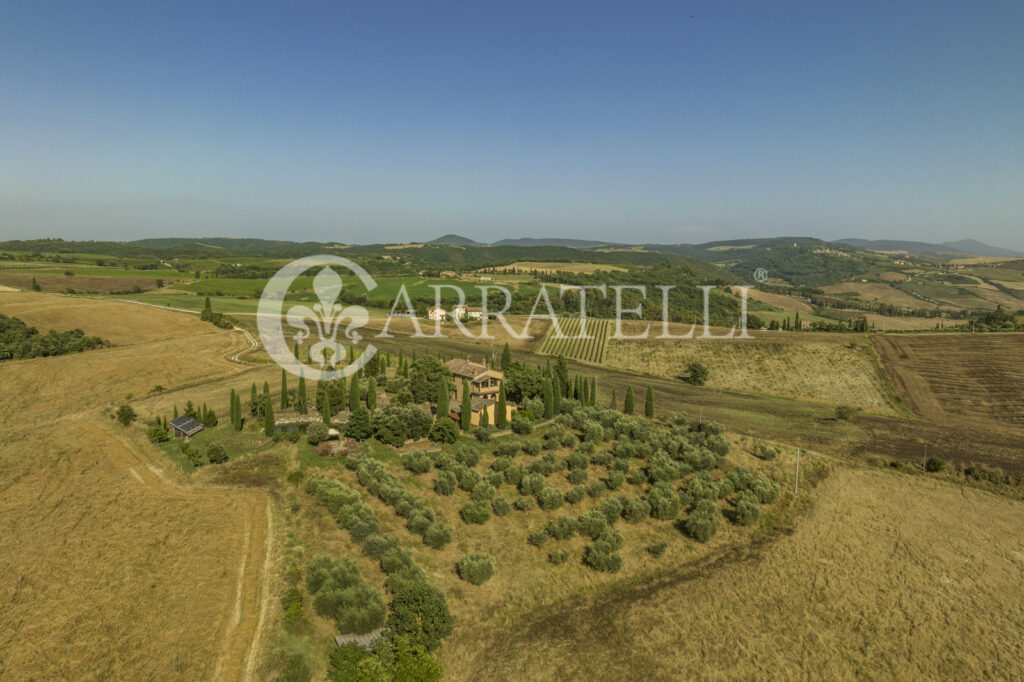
(761, 275)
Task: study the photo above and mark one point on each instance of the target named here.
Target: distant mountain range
(970, 247)
(965, 246)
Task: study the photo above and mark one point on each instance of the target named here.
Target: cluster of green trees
(18, 341)
(340, 592)
(418, 615)
(217, 319)
(385, 486)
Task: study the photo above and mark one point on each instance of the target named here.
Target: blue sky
(628, 121)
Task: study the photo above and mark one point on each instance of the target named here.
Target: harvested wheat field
(977, 376)
(874, 292)
(111, 566)
(888, 575)
(836, 369)
(104, 318)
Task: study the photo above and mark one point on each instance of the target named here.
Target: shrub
(316, 433)
(468, 456)
(469, 479)
(158, 434)
(844, 412)
(531, 484)
(612, 509)
(562, 528)
(933, 465)
(658, 548)
(216, 452)
(495, 478)
(597, 488)
(577, 476)
(551, 498)
(767, 452)
(418, 462)
(376, 546)
(569, 440)
(507, 448)
(636, 510)
(532, 446)
(766, 491)
(339, 592)
(484, 433)
(476, 568)
(664, 502)
(747, 509)
(702, 524)
(595, 558)
(593, 432)
(445, 483)
(592, 523)
(522, 425)
(615, 480)
(578, 460)
(476, 511)
(525, 502)
(500, 506)
(437, 536)
(575, 495)
(538, 538)
(395, 560)
(559, 556)
(637, 477)
(483, 491)
(514, 475)
(444, 430)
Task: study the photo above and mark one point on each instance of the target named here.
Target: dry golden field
(545, 266)
(780, 301)
(835, 369)
(873, 292)
(888, 575)
(972, 376)
(111, 566)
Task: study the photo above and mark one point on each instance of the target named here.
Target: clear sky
(628, 121)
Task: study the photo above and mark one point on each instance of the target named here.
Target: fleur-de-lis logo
(327, 316)
(327, 323)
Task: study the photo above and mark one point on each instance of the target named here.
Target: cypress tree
(401, 359)
(467, 407)
(796, 322)
(206, 305)
(175, 411)
(325, 408)
(501, 412)
(593, 390)
(562, 372)
(302, 394)
(549, 401)
(556, 395)
(231, 404)
(253, 405)
(584, 390)
(443, 408)
(238, 412)
(284, 389)
(649, 403)
(266, 391)
(485, 419)
(506, 357)
(342, 397)
(353, 395)
(614, 403)
(371, 394)
(627, 406)
(268, 418)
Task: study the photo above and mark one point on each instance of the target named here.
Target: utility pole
(796, 483)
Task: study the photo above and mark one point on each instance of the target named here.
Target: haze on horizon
(395, 122)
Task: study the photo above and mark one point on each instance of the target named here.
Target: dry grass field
(111, 566)
(780, 301)
(80, 283)
(549, 267)
(888, 576)
(972, 376)
(835, 369)
(874, 292)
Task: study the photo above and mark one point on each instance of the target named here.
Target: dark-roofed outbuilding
(185, 427)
